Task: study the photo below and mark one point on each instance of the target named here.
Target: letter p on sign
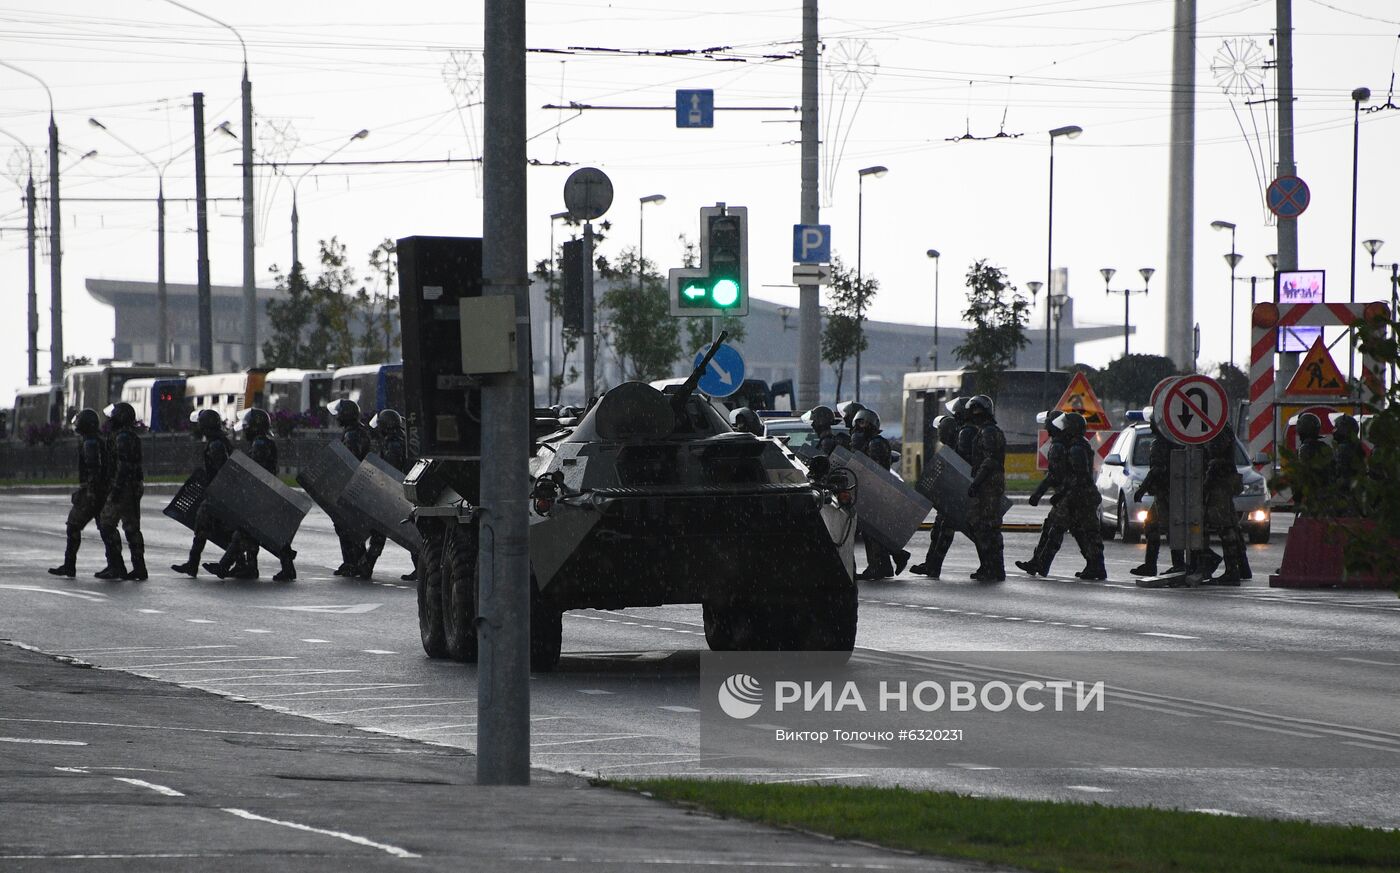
(811, 243)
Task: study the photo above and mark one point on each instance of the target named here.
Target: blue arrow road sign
(811, 243)
(725, 373)
(695, 108)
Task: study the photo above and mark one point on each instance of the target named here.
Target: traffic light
(720, 284)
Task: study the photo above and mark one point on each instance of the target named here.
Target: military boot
(1178, 561)
(116, 565)
(1032, 567)
(365, 569)
(137, 543)
(69, 567)
(1094, 570)
(1148, 567)
(191, 567)
(289, 571)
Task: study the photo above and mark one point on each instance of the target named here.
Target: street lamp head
(874, 171)
(1361, 95)
(1373, 246)
(1069, 131)
(933, 253)
(1146, 274)
(88, 154)
(558, 215)
(1273, 261)
(97, 124)
(1107, 273)
(654, 198)
(1035, 287)
(223, 127)
(360, 134)
(1233, 259)
(1222, 225)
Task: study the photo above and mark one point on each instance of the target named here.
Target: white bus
(297, 391)
(97, 386)
(230, 394)
(160, 403)
(373, 386)
(35, 404)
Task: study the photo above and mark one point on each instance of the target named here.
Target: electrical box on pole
(720, 284)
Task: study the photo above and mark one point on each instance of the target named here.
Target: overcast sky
(902, 78)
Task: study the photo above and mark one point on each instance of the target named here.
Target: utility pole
(206, 314)
(1283, 73)
(55, 263)
(589, 386)
(162, 300)
(250, 291)
(809, 317)
(33, 293)
(1181, 188)
(503, 617)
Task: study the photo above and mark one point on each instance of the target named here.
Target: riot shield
(945, 482)
(246, 497)
(325, 477)
(887, 510)
(374, 495)
(184, 508)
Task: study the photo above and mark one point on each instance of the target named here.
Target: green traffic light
(693, 292)
(725, 293)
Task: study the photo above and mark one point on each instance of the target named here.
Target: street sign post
(695, 108)
(811, 243)
(1192, 410)
(811, 274)
(1288, 197)
(725, 372)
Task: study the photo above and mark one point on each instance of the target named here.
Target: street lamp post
(1359, 96)
(877, 172)
(933, 253)
(32, 314)
(1233, 259)
(1070, 131)
(296, 218)
(1107, 273)
(1373, 246)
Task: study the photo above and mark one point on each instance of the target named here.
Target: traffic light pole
(588, 347)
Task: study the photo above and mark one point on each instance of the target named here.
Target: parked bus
(35, 404)
(160, 403)
(227, 393)
(373, 386)
(1022, 394)
(97, 386)
(298, 391)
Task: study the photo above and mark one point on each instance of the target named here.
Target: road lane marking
(198, 665)
(92, 596)
(166, 727)
(1370, 746)
(141, 650)
(1213, 811)
(1273, 730)
(201, 621)
(1167, 635)
(158, 789)
(38, 742)
(1369, 661)
(400, 706)
(113, 857)
(152, 611)
(256, 630)
(972, 766)
(314, 640)
(594, 691)
(679, 708)
(379, 652)
(1179, 714)
(345, 609)
(339, 835)
(1091, 789)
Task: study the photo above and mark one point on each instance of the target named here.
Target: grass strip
(1044, 835)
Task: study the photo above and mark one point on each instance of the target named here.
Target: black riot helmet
(745, 420)
(255, 423)
(1072, 424)
(1309, 426)
(346, 412)
(386, 421)
(86, 422)
(1344, 427)
(981, 408)
(822, 417)
(1051, 420)
(207, 423)
(957, 407)
(121, 414)
(849, 412)
(866, 419)
(947, 428)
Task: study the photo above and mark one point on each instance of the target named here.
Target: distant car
(798, 433)
(1125, 468)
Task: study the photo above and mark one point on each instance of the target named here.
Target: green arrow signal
(726, 292)
(693, 292)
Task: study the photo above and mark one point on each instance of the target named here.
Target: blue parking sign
(811, 243)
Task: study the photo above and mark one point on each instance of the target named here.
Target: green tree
(1235, 383)
(1130, 380)
(998, 316)
(290, 316)
(378, 308)
(843, 335)
(643, 334)
(1372, 547)
(331, 339)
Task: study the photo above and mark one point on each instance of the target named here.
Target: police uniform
(1348, 465)
(217, 450)
(353, 549)
(1052, 530)
(940, 537)
(880, 564)
(1223, 482)
(393, 448)
(1082, 499)
(123, 504)
(1310, 471)
(94, 481)
(1157, 483)
(987, 492)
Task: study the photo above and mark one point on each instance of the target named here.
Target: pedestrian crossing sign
(1317, 375)
(1080, 397)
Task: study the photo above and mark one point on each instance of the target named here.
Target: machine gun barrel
(679, 398)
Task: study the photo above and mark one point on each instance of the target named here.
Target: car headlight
(1254, 489)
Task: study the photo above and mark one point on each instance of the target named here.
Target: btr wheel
(1128, 532)
(459, 592)
(430, 595)
(546, 632)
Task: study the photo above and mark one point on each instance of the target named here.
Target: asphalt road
(1296, 683)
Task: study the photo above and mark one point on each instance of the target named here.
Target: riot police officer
(988, 489)
(849, 409)
(1157, 483)
(865, 428)
(743, 420)
(967, 431)
(1310, 472)
(1052, 530)
(94, 480)
(1348, 464)
(387, 426)
(822, 419)
(858, 437)
(356, 438)
(1083, 497)
(123, 504)
(1223, 482)
(940, 537)
(208, 426)
(241, 559)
